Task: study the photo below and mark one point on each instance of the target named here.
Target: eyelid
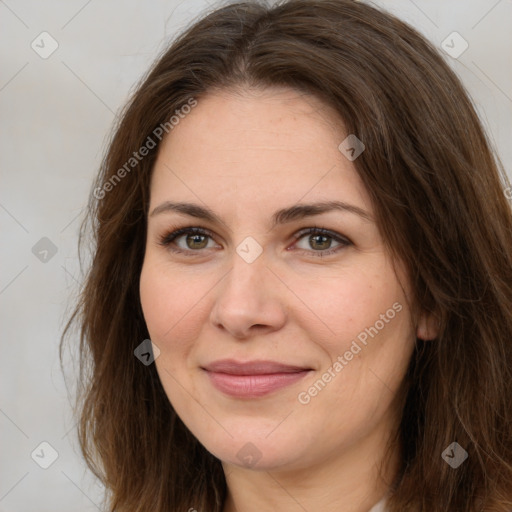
(174, 233)
(322, 231)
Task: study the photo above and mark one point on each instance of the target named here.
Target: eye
(192, 240)
(321, 240)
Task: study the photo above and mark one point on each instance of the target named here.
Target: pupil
(195, 239)
(325, 238)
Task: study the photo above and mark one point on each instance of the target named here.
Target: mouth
(252, 379)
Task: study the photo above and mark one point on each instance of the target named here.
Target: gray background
(55, 116)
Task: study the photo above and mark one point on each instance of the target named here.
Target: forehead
(258, 116)
(254, 147)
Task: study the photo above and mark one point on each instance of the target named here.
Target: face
(283, 327)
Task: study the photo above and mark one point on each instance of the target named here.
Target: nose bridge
(247, 297)
(245, 284)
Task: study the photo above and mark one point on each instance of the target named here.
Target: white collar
(379, 507)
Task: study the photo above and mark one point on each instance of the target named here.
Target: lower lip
(253, 386)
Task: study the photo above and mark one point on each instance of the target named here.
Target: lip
(252, 379)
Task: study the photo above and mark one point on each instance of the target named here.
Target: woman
(301, 211)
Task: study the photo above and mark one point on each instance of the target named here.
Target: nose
(249, 300)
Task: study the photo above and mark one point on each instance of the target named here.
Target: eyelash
(167, 239)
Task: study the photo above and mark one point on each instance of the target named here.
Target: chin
(254, 446)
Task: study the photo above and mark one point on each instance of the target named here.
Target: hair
(436, 187)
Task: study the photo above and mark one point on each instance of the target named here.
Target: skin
(245, 154)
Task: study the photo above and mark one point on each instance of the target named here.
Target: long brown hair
(436, 188)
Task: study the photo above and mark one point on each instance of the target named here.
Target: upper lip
(256, 367)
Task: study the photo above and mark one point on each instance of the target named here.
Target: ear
(427, 327)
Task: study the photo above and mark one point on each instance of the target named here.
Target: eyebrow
(283, 216)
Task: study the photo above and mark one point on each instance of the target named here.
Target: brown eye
(193, 240)
(319, 242)
(187, 240)
(196, 241)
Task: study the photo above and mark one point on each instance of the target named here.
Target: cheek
(171, 308)
(367, 343)
(157, 302)
(346, 303)
(170, 303)
(368, 354)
